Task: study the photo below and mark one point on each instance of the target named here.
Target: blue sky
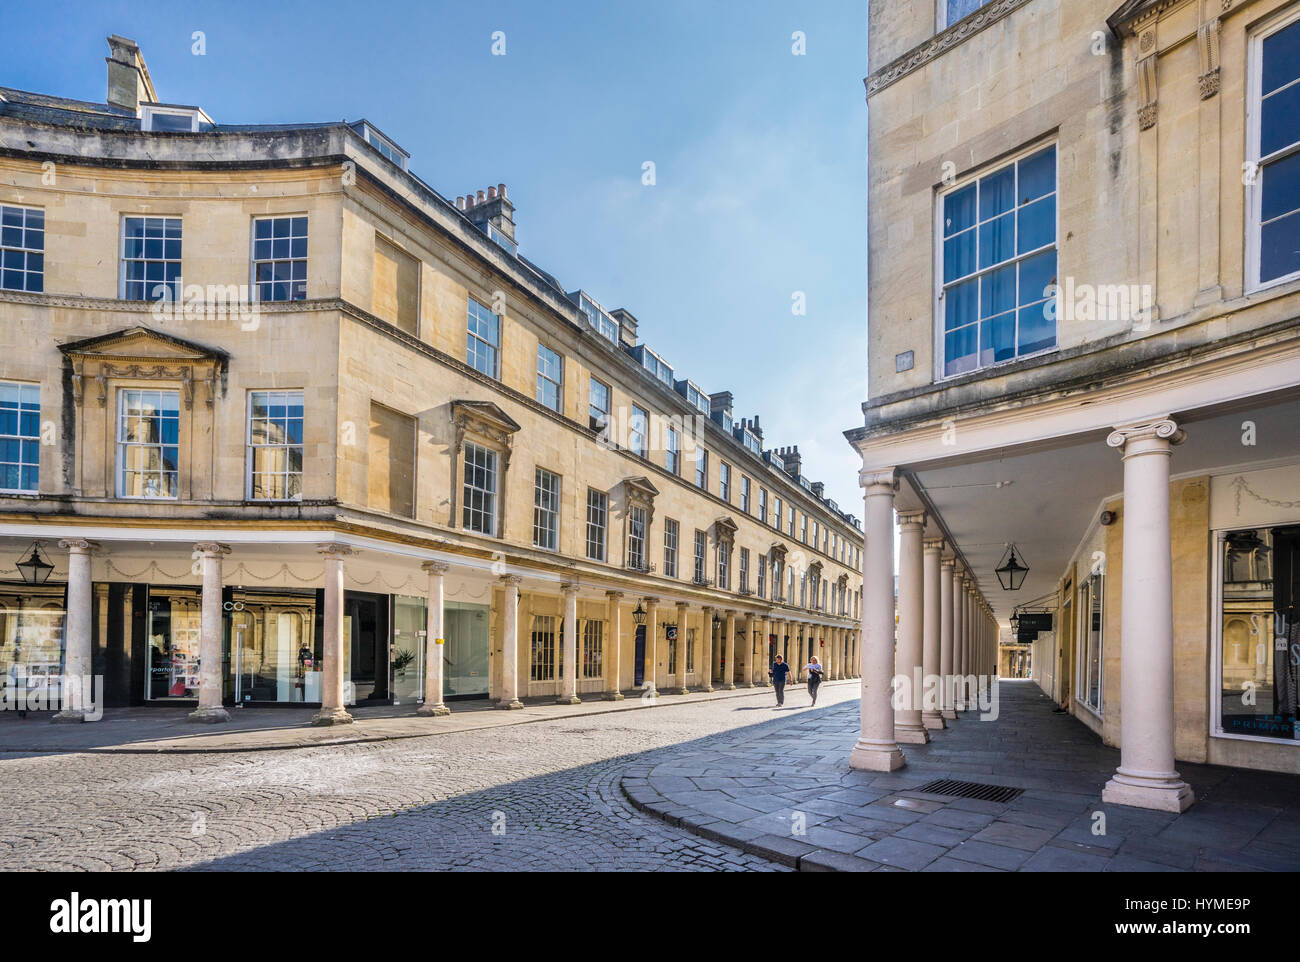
(759, 154)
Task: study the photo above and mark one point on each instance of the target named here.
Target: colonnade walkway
(785, 791)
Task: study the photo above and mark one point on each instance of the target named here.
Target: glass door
(406, 652)
(271, 639)
(465, 654)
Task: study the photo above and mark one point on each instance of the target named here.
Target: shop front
(31, 642)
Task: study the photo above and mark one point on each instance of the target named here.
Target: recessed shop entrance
(365, 648)
(638, 677)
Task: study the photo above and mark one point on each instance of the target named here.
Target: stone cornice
(940, 43)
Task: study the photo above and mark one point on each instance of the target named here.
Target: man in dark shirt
(778, 673)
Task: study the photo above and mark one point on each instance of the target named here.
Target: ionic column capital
(879, 482)
(912, 519)
(613, 595)
(569, 588)
(1159, 430)
(84, 545)
(211, 549)
(511, 581)
(933, 545)
(333, 550)
(436, 567)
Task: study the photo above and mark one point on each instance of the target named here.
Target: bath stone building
(1084, 344)
(294, 428)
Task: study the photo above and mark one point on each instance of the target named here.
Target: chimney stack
(128, 78)
(791, 460)
(490, 206)
(818, 490)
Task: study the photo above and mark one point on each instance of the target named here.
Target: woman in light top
(814, 670)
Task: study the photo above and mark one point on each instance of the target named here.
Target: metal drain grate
(985, 793)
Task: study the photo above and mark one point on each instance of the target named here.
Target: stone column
(1146, 776)
(761, 659)
(947, 578)
(510, 644)
(932, 659)
(705, 670)
(958, 640)
(569, 683)
(78, 664)
(729, 675)
(435, 641)
(747, 647)
(908, 727)
(332, 710)
(876, 749)
(652, 643)
(613, 646)
(682, 633)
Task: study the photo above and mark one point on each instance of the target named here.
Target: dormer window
(605, 325)
(384, 145)
(502, 240)
(654, 364)
(163, 118)
(697, 398)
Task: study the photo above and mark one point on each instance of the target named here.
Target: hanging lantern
(1011, 573)
(1015, 624)
(638, 615)
(34, 568)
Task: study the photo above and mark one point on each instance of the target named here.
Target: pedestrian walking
(814, 670)
(779, 672)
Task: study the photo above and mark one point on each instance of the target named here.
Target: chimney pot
(482, 198)
(501, 190)
(492, 193)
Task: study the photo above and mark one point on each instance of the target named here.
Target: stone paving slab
(167, 730)
(836, 819)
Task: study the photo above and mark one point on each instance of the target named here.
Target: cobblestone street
(525, 797)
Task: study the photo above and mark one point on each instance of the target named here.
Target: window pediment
(640, 490)
(484, 419)
(145, 354)
(725, 529)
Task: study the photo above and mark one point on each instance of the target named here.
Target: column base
(75, 715)
(949, 714)
(612, 696)
(746, 684)
(933, 721)
(328, 716)
(876, 757)
(707, 688)
(433, 711)
(211, 714)
(762, 684)
(682, 691)
(1164, 793)
(510, 704)
(568, 700)
(911, 735)
(728, 687)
